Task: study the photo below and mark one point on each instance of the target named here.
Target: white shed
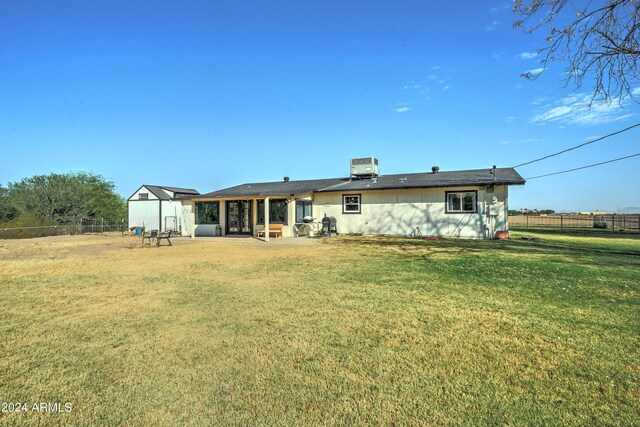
(161, 208)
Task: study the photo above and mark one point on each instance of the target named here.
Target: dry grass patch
(341, 331)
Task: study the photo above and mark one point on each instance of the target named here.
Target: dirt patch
(71, 247)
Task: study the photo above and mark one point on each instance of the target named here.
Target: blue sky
(209, 94)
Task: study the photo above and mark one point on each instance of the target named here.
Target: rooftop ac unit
(366, 166)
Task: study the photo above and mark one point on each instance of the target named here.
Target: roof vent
(435, 169)
(286, 179)
(364, 167)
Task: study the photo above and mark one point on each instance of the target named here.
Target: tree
(7, 211)
(65, 197)
(593, 39)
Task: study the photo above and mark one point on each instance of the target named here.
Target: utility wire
(585, 167)
(578, 146)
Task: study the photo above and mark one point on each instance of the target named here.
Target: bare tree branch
(600, 42)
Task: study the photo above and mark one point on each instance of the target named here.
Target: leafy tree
(596, 39)
(65, 197)
(7, 211)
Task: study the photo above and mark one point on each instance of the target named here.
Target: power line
(578, 146)
(584, 167)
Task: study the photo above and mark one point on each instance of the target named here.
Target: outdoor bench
(275, 229)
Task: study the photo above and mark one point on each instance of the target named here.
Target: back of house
(465, 203)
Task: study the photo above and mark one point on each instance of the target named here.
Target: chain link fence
(84, 226)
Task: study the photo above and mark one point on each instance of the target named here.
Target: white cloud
(493, 26)
(401, 109)
(432, 76)
(445, 88)
(509, 119)
(635, 91)
(527, 55)
(496, 55)
(500, 8)
(539, 100)
(435, 67)
(575, 110)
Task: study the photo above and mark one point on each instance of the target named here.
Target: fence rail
(84, 226)
(607, 222)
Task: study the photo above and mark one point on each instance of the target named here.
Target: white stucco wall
(400, 212)
(187, 218)
(390, 212)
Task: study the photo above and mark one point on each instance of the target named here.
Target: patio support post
(266, 219)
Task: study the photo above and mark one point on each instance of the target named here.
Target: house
(157, 207)
(466, 203)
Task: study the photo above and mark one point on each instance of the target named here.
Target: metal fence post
(613, 222)
(624, 222)
(561, 223)
(527, 216)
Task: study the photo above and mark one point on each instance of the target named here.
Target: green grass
(352, 330)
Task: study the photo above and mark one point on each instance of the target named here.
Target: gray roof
(156, 190)
(181, 190)
(476, 177)
(278, 188)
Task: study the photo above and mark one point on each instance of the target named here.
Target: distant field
(348, 330)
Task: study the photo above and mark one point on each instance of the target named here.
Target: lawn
(347, 330)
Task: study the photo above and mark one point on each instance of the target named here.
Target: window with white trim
(461, 201)
(351, 203)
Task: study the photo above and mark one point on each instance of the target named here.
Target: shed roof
(156, 190)
(475, 177)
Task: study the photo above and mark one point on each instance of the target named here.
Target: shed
(157, 207)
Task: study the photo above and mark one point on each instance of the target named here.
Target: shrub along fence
(606, 222)
(84, 226)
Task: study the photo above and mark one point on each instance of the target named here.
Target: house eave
(417, 187)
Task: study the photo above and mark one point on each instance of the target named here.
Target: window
(277, 211)
(461, 202)
(351, 203)
(143, 196)
(207, 212)
(303, 208)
